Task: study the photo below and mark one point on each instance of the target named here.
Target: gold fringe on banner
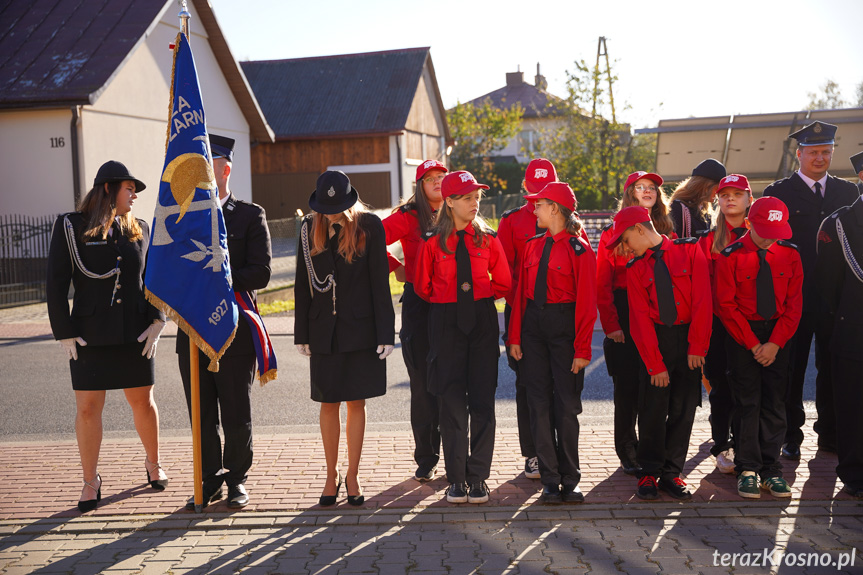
(269, 376)
(171, 97)
(208, 350)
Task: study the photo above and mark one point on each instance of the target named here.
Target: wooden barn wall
(300, 156)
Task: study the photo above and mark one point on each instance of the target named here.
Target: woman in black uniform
(111, 334)
(344, 319)
(692, 200)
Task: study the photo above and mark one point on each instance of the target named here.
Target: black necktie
(664, 290)
(765, 299)
(738, 232)
(818, 189)
(464, 291)
(540, 288)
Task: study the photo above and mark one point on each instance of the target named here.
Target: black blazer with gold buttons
(806, 211)
(94, 317)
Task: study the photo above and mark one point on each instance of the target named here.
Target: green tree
(591, 150)
(860, 95)
(829, 98)
(479, 131)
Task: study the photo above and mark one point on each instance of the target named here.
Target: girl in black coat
(344, 319)
(111, 334)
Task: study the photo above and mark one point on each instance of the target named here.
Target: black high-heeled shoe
(327, 500)
(157, 484)
(90, 504)
(356, 500)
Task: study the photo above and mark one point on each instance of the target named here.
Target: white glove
(69, 346)
(151, 334)
(384, 351)
(303, 348)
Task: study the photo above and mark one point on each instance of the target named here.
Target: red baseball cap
(625, 219)
(734, 181)
(635, 176)
(769, 218)
(459, 183)
(539, 173)
(558, 192)
(428, 166)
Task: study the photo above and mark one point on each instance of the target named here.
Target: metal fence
(24, 242)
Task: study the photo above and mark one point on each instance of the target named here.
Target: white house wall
(35, 174)
(128, 123)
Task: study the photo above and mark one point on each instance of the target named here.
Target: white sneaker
(531, 468)
(725, 461)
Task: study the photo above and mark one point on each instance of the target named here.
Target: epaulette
(492, 233)
(631, 262)
(702, 233)
(679, 241)
(537, 236)
(404, 208)
(732, 248)
(608, 227)
(508, 213)
(787, 244)
(428, 235)
(577, 246)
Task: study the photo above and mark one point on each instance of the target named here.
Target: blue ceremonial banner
(188, 275)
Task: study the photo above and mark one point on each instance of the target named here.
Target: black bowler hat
(710, 169)
(333, 193)
(114, 171)
(815, 134)
(222, 147)
(857, 162)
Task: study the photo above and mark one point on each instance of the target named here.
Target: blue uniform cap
(815, 134)
(857, 162)
(222, 147)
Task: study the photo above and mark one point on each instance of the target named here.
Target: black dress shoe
(157, 484)
(551, 494)
(828, 447)
(572, 494)
(209, 496)
(630, 468)
(791, 450)
(237, 496)
(856, 492)
(327, 500)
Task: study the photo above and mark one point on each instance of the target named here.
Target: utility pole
(607, 135)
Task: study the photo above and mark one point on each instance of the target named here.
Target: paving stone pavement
(406, 527)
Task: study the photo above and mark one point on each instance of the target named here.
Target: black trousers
(666, 414)
(721, 402)
(522, 410)
(759, 405)
(553, 391)
(463, 375)
(624, 366)
(424, 405)
(848, 397)
(228, 392)
(811, 324)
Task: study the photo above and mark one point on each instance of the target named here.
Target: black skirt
(347, 376)
(102, 367)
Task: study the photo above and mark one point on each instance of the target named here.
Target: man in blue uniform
(811, 195)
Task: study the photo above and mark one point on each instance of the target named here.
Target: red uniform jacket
(515, 228)
(403, 226)
(691, 283)
(705, 242)
(610, 275)
(736, 295)
(571, 278)
(436, 276)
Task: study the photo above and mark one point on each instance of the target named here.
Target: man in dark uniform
(839, 280)
(228, 392)
(811, 194)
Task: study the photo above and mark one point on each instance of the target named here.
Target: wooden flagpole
(194, 375)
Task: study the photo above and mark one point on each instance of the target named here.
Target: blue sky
(674, 59)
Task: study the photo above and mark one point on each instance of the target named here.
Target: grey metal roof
(351, 94)
(64, 52)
